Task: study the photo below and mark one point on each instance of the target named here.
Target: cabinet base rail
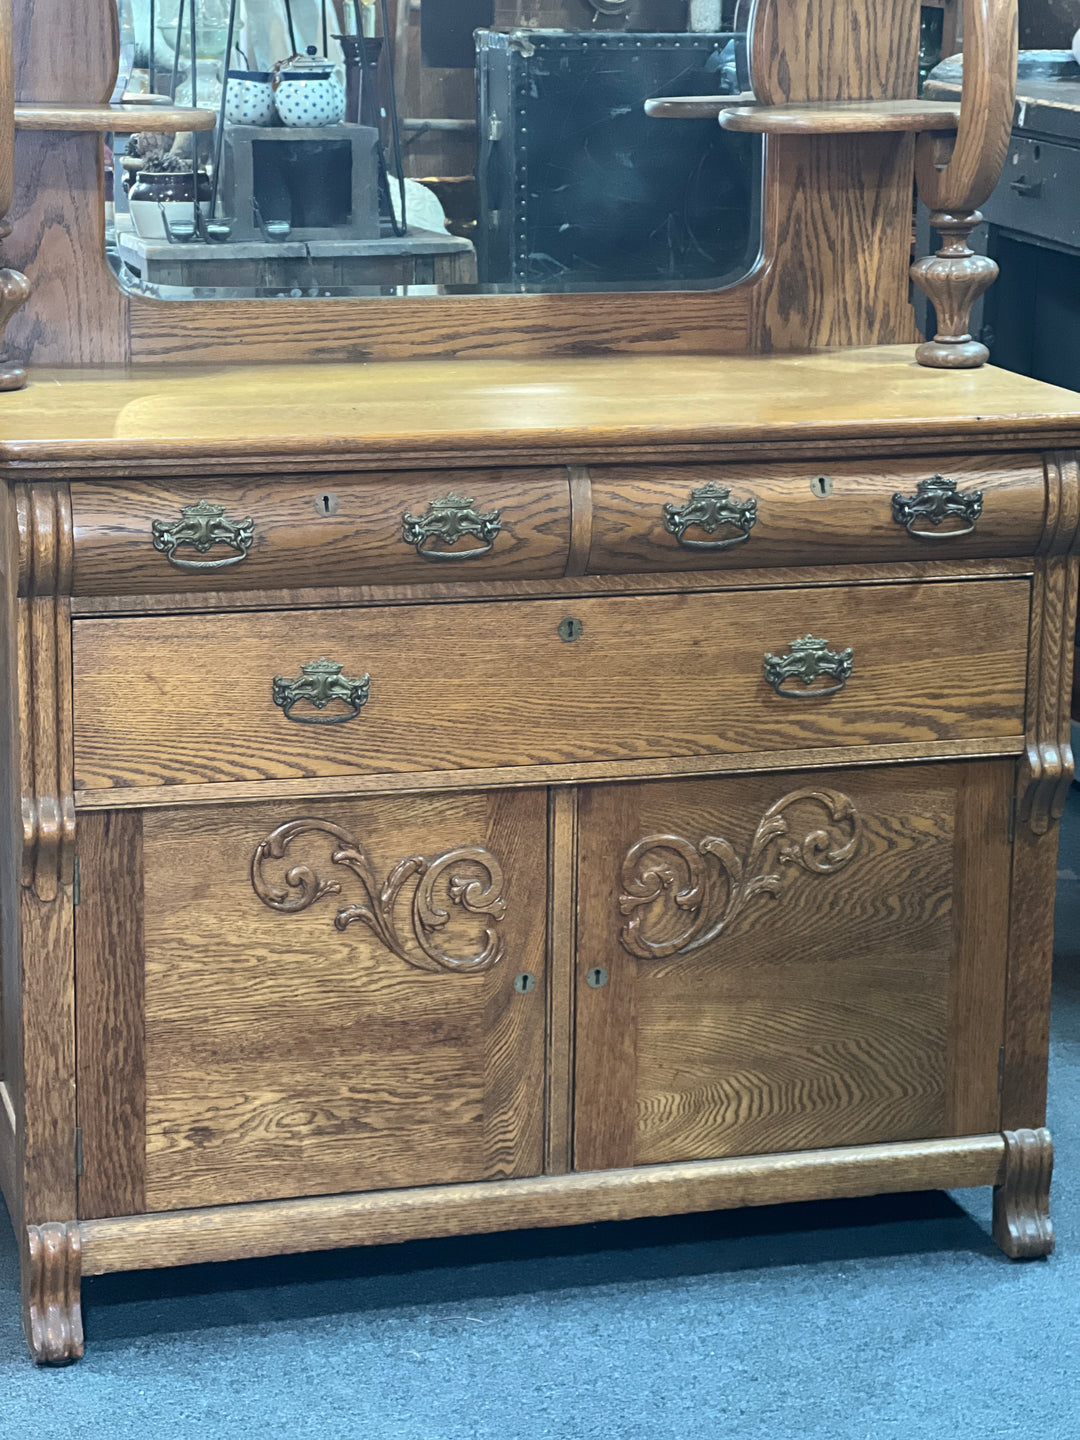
(327, 1222)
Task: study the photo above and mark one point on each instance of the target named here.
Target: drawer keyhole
(327, 503)
(524, 983)
(571, 629)
(821, 486)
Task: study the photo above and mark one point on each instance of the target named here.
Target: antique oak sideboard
(610, 768)
(687, 842)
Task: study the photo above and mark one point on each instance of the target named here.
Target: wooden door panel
(329, 998)
(793, 961)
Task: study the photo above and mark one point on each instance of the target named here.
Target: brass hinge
(1001, 1069)
(78, 1152)
(76, 883)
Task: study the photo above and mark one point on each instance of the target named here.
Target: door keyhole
(596, 978)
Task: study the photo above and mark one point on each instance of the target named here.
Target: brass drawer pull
(321, 682)
(447, 520)
(708, 509)
(203, 526)
(805, 660)
(935, 500)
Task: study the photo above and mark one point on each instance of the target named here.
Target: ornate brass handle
(203, 526)
(448, 519)
(935, 500)
(709, 508)
(320, 682)
(805, 660)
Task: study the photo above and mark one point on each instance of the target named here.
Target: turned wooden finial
(954, 185)
(954, 279)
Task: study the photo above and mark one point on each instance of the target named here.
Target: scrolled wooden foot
(1022, 1224)
(14, 291)
(53, 1312)
(953, 280)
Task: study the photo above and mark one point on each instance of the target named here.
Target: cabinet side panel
(109, 966)
(1031, 955)
(981, 930)
(10, 843)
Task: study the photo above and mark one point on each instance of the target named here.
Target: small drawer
(166, 700)
(655, 518)
(407, 528)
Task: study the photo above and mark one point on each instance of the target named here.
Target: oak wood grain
(562, 924)
(854, 521)
(982, 871)
(960, 175)
(44, 1031)
(833, 50)
(1031, 951)
(287, 1057)
(1022, 1224)
(666, 676)
(59, 116)
(334, 596)
(838, 208)
(1048, 764)
(239, 332)
(846, 1007)
(337, 528)
(855, 117)
(11, 1067)
(600, 771)
(7, 117)
(76, 313)
(48, 1048)
(109, 1014)
(64, 53)
(331, 415)
(240, 1231)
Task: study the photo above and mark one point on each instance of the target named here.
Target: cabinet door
(306, 997)
(782, 962)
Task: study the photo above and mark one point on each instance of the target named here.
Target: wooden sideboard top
(520, 408)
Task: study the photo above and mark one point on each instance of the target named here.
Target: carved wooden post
(45, 1088)
(14, 286)
(953, 185)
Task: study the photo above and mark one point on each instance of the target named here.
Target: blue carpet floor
(856, 1320)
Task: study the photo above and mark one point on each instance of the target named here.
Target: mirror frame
(833, 268)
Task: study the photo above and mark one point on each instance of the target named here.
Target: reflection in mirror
(411, 147)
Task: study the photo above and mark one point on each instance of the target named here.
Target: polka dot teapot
(308, 92)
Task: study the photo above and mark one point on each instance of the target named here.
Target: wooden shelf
(98, 119)
(694, 107)
(838, 118)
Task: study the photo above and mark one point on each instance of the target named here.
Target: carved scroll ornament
(671, 869)
(304, 888)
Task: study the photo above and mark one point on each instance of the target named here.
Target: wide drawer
(169, 700)
(202, 535)
(677, 517)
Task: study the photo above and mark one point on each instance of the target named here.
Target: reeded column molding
(45, 704)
